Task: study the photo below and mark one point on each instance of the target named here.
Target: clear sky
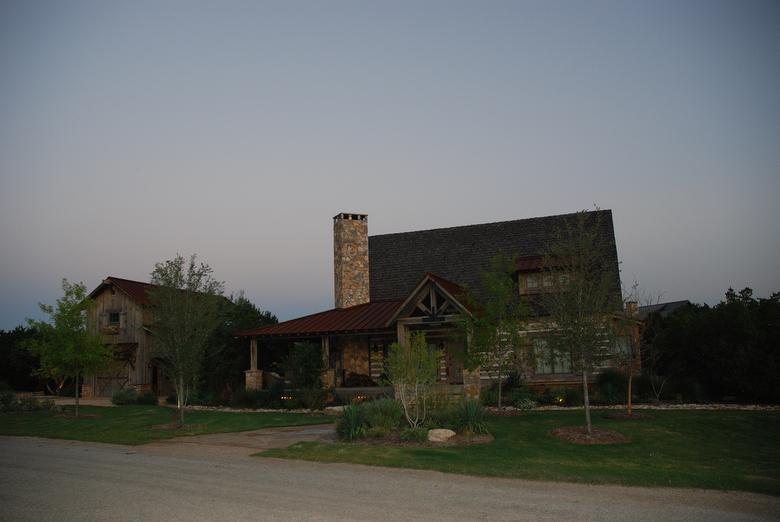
(130, 131)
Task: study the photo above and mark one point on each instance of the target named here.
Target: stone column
(471, 383)
(87, 390)
(253, 376)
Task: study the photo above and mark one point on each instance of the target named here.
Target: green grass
(135, 424)
(729, 450)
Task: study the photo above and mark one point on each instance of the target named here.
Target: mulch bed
(506, 412)
(394, 439)
(579, 435)
(626, 416)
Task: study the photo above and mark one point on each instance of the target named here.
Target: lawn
(729, 450)
(138, 424)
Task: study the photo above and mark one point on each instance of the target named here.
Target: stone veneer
(350, 259)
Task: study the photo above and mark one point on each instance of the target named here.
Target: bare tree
(583, 296)
(186, 312)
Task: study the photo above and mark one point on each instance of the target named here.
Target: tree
(493, 330)
(583, 296)
(17, 363)
(64, 346)
(411, 367)
(228, 356)
(185, 306)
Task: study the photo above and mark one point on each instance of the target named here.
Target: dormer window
(113, 319)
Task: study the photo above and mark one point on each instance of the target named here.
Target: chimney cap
(351, 216)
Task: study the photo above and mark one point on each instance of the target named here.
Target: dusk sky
(130, 131)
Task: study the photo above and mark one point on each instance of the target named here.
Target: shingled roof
(462, 254)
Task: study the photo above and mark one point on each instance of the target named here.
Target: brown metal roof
(360, 318)
(136, 290)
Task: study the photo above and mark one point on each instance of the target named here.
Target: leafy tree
(730, 350)
(412, 367)
(493, 331)
(63, 344)
(228, 356)
(583, 297)
(17, 363)
(303, 366)
(186, 303)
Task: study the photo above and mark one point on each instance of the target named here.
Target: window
(549, 361)
(113, 319)
(623, 346)
(547, 280)
(532, 281)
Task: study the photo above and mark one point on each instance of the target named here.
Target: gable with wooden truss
(433, 301)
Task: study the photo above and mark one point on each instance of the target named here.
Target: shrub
(352, 424)
(471, 417)
(414, 435)
(251, 399)
(519, 397)
(573, 396)
(204, 398)
(611, 387)
(33, 404)
(358, 380)
(312, 398)
(148, 398)
(525, 404)
(124, 396)
(383, 414)
(489, 395)
(8, 401)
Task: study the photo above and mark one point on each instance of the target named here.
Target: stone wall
(355, 354)
(350, 259)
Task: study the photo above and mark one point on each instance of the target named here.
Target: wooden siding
(130, 331)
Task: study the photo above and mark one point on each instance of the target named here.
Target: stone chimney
(350, 259)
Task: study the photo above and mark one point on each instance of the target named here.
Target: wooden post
(253, 353)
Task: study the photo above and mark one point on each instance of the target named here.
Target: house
(122, 316)
(389, 285)
(662, 309)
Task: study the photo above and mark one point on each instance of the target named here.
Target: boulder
(440, 435)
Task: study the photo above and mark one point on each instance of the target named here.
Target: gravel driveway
(62, 480)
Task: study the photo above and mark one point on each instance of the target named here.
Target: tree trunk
(77, 395)
(499, 388)
(180, 401)
(628, 401)
(586, 401)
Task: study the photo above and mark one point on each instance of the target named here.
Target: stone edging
(741, 407)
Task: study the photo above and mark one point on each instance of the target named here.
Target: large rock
(440, 435)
